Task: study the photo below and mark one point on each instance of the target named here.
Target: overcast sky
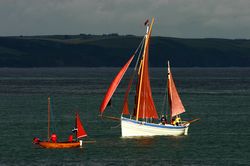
(174, 18)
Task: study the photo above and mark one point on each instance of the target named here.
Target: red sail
(145, 104)
(176, 106)
(80, 130)
(114, 85)
(125, 103)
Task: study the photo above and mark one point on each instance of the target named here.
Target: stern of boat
(80, 143)
(186, 129)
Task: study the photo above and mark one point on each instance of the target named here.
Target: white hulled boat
(144, 121)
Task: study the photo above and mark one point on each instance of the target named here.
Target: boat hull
(60, 145)
(133, 128)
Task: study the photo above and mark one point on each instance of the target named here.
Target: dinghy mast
(48, 118)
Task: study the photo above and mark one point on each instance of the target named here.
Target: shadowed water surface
(219, 96)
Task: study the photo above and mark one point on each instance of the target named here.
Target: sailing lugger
(139, 123)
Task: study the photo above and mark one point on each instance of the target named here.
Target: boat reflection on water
(145, 141)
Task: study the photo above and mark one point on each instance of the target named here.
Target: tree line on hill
(113, 50)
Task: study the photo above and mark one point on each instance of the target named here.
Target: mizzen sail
(80, 130)
(114, 85)
(176, 106)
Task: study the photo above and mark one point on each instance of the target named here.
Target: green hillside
(113, 50)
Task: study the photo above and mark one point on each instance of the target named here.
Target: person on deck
(74, 130)
(36, 140)
(163, 120)
(70, 139)
(177, 121)
(53, 138)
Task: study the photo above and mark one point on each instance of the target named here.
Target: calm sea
(220, 97)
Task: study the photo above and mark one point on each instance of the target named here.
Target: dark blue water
(219, 97)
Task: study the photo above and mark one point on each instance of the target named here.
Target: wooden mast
(138, 106)
(48, 117)
(142, 66)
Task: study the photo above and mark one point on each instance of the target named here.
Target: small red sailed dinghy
(79, 130)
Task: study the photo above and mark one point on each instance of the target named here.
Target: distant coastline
(112, 50)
